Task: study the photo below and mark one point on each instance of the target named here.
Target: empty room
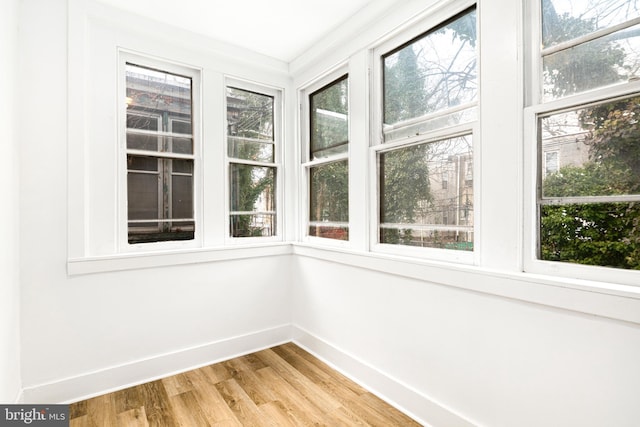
(364, 212)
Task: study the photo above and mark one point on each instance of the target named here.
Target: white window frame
(306, 163)
(124, 57)
(535, 108)
(439, 15)
(278, 143)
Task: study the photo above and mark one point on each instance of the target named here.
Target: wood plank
(214, 406)
(156, 404)
(384, 409)
(100, 411)
(78, 410)
(283, 386)
(176, 384)
(295, 405)
(79, 421)
(306, 387)
(241, 404)
(133, 418)
(127, 399)
(279, 414)
(187, 411)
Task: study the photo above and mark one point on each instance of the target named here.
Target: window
(425, 156)
(159, 155)
(253, 171)
(551, 164)
(328, 166)
(586, 108)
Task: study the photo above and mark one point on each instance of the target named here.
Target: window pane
(605, 61)
(143, 196)
(158, 103)
(182, 196)
(433, 73)
(249, 115)
(180, 126)
(605, 234)
(329, 204)
(159, 190)
(156, 93)
(250, 149)
(551, 162)
(160, 199)
(426, 195)
(258, 225)
(142, 121)
(252, 197)
(564, 20)
(599, 150)
(329, 119)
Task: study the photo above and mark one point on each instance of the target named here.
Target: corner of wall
(412, 402)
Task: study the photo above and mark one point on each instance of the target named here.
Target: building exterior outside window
(160, 155)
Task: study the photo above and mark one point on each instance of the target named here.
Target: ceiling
(282, 29)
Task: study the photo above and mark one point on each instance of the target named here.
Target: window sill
(136, 261)
(613, 301)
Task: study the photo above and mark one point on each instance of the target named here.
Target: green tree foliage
(606, 234)
(330, 198)
(404, 173)
(603, 234)
(598, 233)
(250, 118)
(584, 67)
(405, 178)
(329, 183)
(614, 140)
(404, 88)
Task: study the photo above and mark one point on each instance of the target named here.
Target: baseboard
(421, 408)
(138, 372)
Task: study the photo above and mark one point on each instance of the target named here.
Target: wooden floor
(281, 386)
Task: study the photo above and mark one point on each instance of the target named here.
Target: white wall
(468, 345)
(9, 214)
(447, 355)
(84, 334)
(452, 345)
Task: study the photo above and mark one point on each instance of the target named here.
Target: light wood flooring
(281, 386)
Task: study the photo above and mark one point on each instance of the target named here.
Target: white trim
(137, 261)
(118, 377)
(603, 299)
(403, 397)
